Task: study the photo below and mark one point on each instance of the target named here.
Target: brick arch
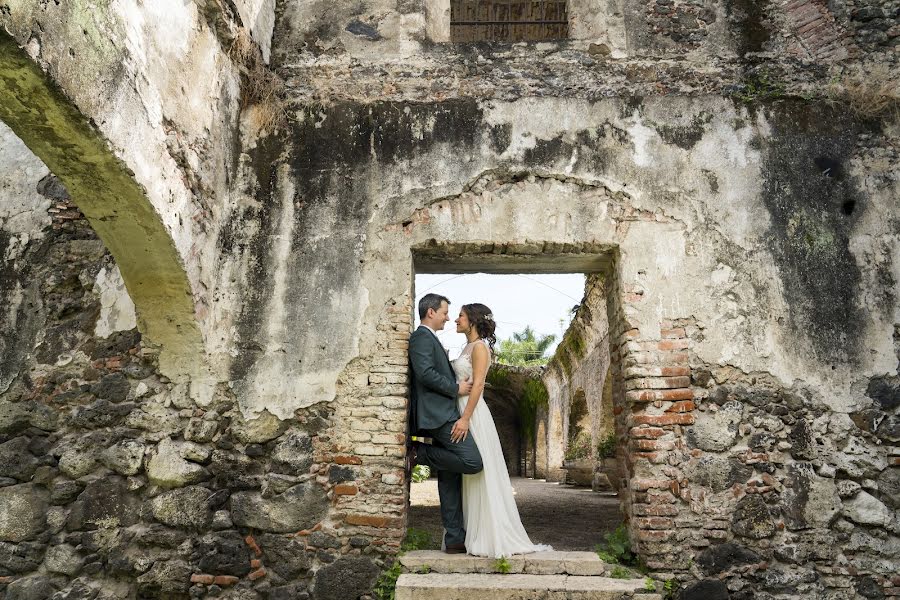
(116, 206)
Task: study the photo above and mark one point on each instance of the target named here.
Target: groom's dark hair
(432, 301)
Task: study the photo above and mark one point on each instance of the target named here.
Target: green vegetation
(607, 447)
(571, 349)
(104, 188)
(424, 570)
(498, 377)
(385, 587)
(502, 565)
(525, 349)
(670, 589)
(617, 548)
(759, 86)
(416, 539)
(649, 584)
(421, 473)
(620, 572)
(579, 447)
(534, 396)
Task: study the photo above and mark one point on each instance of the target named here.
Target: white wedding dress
(493, 526)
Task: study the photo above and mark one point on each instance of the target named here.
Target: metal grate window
(508, 20)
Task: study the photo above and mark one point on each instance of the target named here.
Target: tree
(525, 348)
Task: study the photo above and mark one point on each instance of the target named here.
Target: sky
(516, 301)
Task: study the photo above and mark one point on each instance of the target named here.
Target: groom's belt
(424, 440)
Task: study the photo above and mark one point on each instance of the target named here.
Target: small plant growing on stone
(386, 586)
(502, 565)
(759, 86)
(649, 584)
(421, 473)
(670, 589)
(620, 572)
(424, 570)
(617, 548)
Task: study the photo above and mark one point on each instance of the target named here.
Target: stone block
(15, 459)
(168, 468)
(124, 457)
(223, 554)
(63, 559)
(716, 431)
(293, 453)
(348, 577)
(22, 512)
(867, 510)
(259, 429)
(106, 503)
(185, 508)
(300, 507)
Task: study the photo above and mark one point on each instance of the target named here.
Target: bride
(492, 523)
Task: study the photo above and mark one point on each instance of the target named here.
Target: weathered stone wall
(113, 481)
(575, 379)
(748, 228)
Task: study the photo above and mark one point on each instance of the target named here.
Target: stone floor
(564, 516)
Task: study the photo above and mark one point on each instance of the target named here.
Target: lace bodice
(462, 366)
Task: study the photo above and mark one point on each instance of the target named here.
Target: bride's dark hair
(481, 317)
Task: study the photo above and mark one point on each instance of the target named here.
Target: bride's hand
(460, 430)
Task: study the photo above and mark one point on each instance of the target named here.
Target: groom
(434, 411)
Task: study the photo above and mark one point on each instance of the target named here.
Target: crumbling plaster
(163, 94)
(678, 186)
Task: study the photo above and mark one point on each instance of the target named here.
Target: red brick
(647, 432)
(676, 332)
(656, 458)
(673, 344)
(645, 535)
(250, 541)
(345, 489)
(651, 395)
(348, 460)
(666, 419)
(260, 572)
(682, 406)
(226, 580)
(255, 563)
(373, 521)
(661, 510)
(654, 523)
(676, 371)
(652, 444)
(647, 484)
(203, 578)
(6, 579)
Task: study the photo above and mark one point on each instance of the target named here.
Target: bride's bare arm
(480, 360)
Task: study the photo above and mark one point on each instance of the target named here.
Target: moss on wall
(114, 204)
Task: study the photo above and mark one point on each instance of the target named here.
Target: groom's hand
(465, 387)
(460, 430)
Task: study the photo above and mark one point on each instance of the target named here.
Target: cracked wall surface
(691, 151)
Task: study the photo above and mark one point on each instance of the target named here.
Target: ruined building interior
(212, 213)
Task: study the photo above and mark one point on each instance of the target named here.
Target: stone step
(485, 586)
(538, 563)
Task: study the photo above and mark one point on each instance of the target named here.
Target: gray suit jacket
(434, 388)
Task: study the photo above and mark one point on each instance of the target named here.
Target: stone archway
(116, 206)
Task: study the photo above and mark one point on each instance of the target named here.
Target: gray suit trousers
(451, 460)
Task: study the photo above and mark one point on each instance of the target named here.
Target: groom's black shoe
(455, 548)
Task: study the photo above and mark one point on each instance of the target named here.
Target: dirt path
(566, 517)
